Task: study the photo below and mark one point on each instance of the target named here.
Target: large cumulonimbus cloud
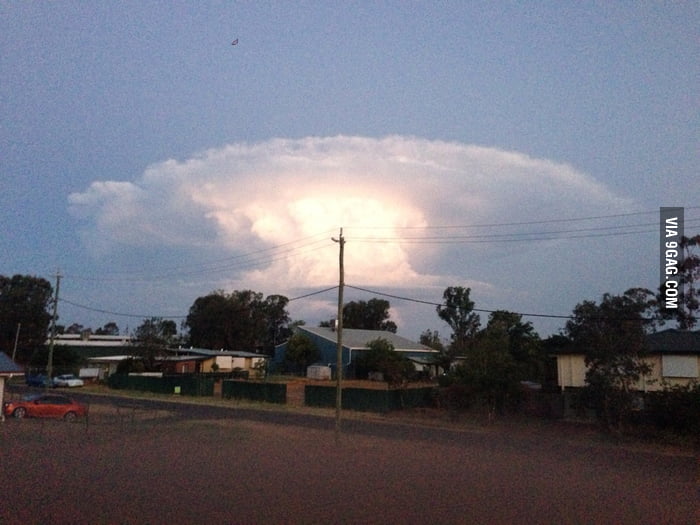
(260, 198)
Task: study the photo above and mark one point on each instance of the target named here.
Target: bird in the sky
(234, 42)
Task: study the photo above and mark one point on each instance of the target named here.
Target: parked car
(39, 380)
(44, 405)
(68, 380)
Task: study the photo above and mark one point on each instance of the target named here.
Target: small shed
(8, 368)
(322, 372)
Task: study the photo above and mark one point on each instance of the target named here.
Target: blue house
(355, 342)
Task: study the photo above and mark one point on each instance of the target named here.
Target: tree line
(486, 363)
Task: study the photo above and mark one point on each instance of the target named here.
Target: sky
(519, 149)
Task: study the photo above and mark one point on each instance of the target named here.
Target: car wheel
(19, 413)
(70, 416)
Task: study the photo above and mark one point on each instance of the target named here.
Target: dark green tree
(77, 328)
(277, 322)
(489, 373)
(611, 334)
(110, 328)
(152, 338)
(382, 357)
(446, 354)
(457, 312)
(301, 352)
(64, 361)
(208, 321)
(521, 340)
(368, 315)
(24, 300)
(241, 320)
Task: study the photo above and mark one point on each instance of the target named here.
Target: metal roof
(673, 341)
(213, 353)
(8, 366)
(357, 339)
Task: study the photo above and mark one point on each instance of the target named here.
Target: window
(679, 366)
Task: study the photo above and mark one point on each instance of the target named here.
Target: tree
(277, 322)
(432, 339)
(382, 357)
(64, 361)
(521, 340)
(76, 329)
(153, 337)
(445, 356)
(241, 320)
(504, 353)
(368, 315)
(489, 372)
(301, 352)
(457, 312)
(24, 303)
(110, 328)
(612, 337)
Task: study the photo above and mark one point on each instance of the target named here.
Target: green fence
(268, 392)
(369, 400)
(188, 385)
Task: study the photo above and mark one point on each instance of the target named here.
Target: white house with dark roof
(673, 356)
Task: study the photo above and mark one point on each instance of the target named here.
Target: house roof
(8, 366)
(213, 353)
(669, 341)
(673, 341)
(357, 339)
(78, 340)
(111, 358)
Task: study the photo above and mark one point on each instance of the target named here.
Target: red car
(44, 405)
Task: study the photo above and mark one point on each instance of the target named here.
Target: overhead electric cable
(523, 314)
(150, 316)
(518, 223)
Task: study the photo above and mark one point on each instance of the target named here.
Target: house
(8, 368)
(354, 341)
(107, 365)
(201, 360)
(673, 355)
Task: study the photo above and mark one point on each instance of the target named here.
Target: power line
(420, 301)
(578, 233)
(521, 223)
(240, 261)
(150, 316)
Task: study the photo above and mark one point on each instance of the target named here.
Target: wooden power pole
(54, 318)
(339, 329)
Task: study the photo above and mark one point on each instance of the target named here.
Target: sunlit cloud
(245, 198)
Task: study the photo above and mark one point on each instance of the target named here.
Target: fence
(268, 392)
(188, 385)
(369, 400)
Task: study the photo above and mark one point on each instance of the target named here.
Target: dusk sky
(521, 149)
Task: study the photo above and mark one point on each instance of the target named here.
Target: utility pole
(14, 350)
(49, 366)
(339, 329)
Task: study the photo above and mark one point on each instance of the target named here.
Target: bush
(675, 408)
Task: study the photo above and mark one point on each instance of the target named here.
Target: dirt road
(156, 466)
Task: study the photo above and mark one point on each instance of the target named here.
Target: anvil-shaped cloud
(284, 198)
